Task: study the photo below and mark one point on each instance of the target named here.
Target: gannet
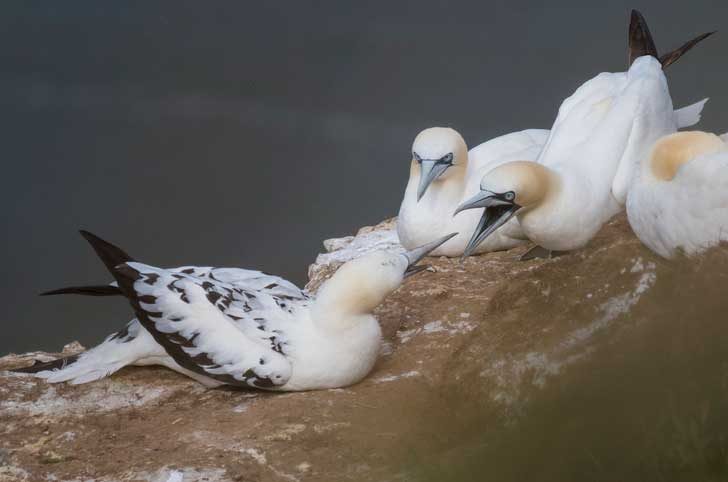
(443, 174)
(679, 201)
(228, 326)
(581, 178)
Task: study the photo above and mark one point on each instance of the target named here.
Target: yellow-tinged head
(361, 284)
(528, 181)
(504, 191)
(671, 152)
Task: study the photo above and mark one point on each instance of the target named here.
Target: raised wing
(194, 319)
(580, 116)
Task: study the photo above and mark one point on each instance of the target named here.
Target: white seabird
(443, 174)
(227, 326)
(679, 202)
(582, 176)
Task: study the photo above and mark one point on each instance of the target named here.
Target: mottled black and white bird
(229, 326)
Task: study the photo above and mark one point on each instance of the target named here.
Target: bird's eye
(447, 158)
(510, 196)
(417, 157)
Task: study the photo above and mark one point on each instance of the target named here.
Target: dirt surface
(473, 350)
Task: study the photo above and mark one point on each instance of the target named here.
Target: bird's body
(598, 136)
(228, 326)
(270, 316)
(585, 170)
(679, 201)
(432, 215)
(583, 174)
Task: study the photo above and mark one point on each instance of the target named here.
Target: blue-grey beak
(497, 212)
(415, 255)
(429, 171)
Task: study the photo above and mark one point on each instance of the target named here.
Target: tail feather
(641, 42)
(77, 369)
(120, 349)
(101, 290)
(81, 373)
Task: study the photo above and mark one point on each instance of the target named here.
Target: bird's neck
(341, 304)
(547, 194)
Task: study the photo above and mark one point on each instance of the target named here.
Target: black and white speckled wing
(286, 295)
(250, 280)
(211, 327)
(256, 302)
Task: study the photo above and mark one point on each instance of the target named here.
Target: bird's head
(360, 285)
(439, 153)
(508, 189)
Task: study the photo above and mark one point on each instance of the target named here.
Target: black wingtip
(641, 42)
(39, 366)
(672, 57)
(640, 38)
(109, 254)
(102, 290)
(125, 272)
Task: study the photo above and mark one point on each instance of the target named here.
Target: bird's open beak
(496, 213)
(429, 171)
(415, 255)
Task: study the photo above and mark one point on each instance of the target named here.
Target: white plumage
(241, 327)
(585, 170)
(427, 208)
(582, 176)
(599, 134)
(679, 202)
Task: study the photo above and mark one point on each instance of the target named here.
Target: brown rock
(603, 364)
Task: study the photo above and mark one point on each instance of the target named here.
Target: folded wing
(193, 319)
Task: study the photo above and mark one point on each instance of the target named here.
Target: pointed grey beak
(415, 255)
(483, 199)
(496, 213)
(429, 171)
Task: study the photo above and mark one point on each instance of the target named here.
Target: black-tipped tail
(101, 290)
(641, 42)
(672, 57)
(640, 38)
(112, 256)
(39, 366)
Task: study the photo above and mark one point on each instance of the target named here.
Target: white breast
(330, 360)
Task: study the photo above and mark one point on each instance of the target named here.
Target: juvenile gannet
(443, 174)
(581, 178)
(228, 326)
(679, 201)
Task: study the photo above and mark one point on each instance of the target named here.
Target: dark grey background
(242, 134)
